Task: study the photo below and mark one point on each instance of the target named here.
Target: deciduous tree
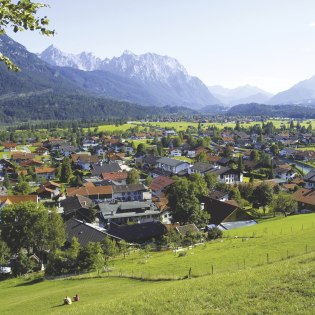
(21, 15)
(283, 203)
(133, 177)
(262, 195)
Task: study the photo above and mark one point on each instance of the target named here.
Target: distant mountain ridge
(241, 95)
(162, 77)
(300, 93)
(45, 92)
(84, 61)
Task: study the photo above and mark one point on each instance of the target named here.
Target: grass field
(182, 125)
(309, 148)
(285, 287)
(281, 285)
(112, 128)
(183, 158)
(277, 239)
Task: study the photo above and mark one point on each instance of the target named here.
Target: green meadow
(112, 128)
(268, 268)
(183, 125)
(245, 247)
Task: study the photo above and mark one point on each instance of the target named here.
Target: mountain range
(122, 86)
(241, 95)
(299, 94)
(147, 79)
(45, 92)
(161, 80)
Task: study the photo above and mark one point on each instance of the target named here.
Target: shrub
(182, 254)
(214, 233)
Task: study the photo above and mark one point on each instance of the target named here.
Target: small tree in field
(262, 195)
(283, 203)
(123, 248)
(109, 249)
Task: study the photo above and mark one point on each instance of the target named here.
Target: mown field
(112, 128)
(286, 287)
(251, 246)
(282, 284)
(183, 125)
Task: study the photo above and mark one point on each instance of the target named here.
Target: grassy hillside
(251, 246)
(284, 285)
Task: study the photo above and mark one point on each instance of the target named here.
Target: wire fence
(236, 261)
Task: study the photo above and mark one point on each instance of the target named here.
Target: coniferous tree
(66, 170)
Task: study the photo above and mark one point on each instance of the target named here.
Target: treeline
(52, 106)
(292, 111)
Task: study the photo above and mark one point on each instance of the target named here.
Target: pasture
(229, 276)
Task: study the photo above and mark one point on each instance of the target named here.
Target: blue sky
(267, 43)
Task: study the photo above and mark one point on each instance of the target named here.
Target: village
(154, 186)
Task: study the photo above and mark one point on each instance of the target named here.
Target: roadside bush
(214, 233)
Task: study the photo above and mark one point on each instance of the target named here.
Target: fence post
(244, 263)
(211, 269)
(267, 258)
(306, 248)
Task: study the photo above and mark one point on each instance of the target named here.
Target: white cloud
(312, 24)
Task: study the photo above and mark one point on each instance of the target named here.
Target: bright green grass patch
(112, 128)
(250, 246)
(147, 143)
(309, 148)
(276, 286)
(183, 158)
(6, 155)
(183, 125)
(286, 287)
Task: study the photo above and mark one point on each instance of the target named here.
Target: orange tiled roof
(9, 199)
(30, 163)
(160, 183)
(90, 190)
(41, 170)
(305, 195)
(9, 145)
(115, 176)
(22, 156)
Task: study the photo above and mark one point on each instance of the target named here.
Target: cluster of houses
(139, 212)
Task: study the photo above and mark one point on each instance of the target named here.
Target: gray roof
(75, 203)
(310, 176)
(128, 188)
(128, 209)
(85, 232)
(223, 170)
(202, 167)
(237, 224)
(170, 162)
(97, 169)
